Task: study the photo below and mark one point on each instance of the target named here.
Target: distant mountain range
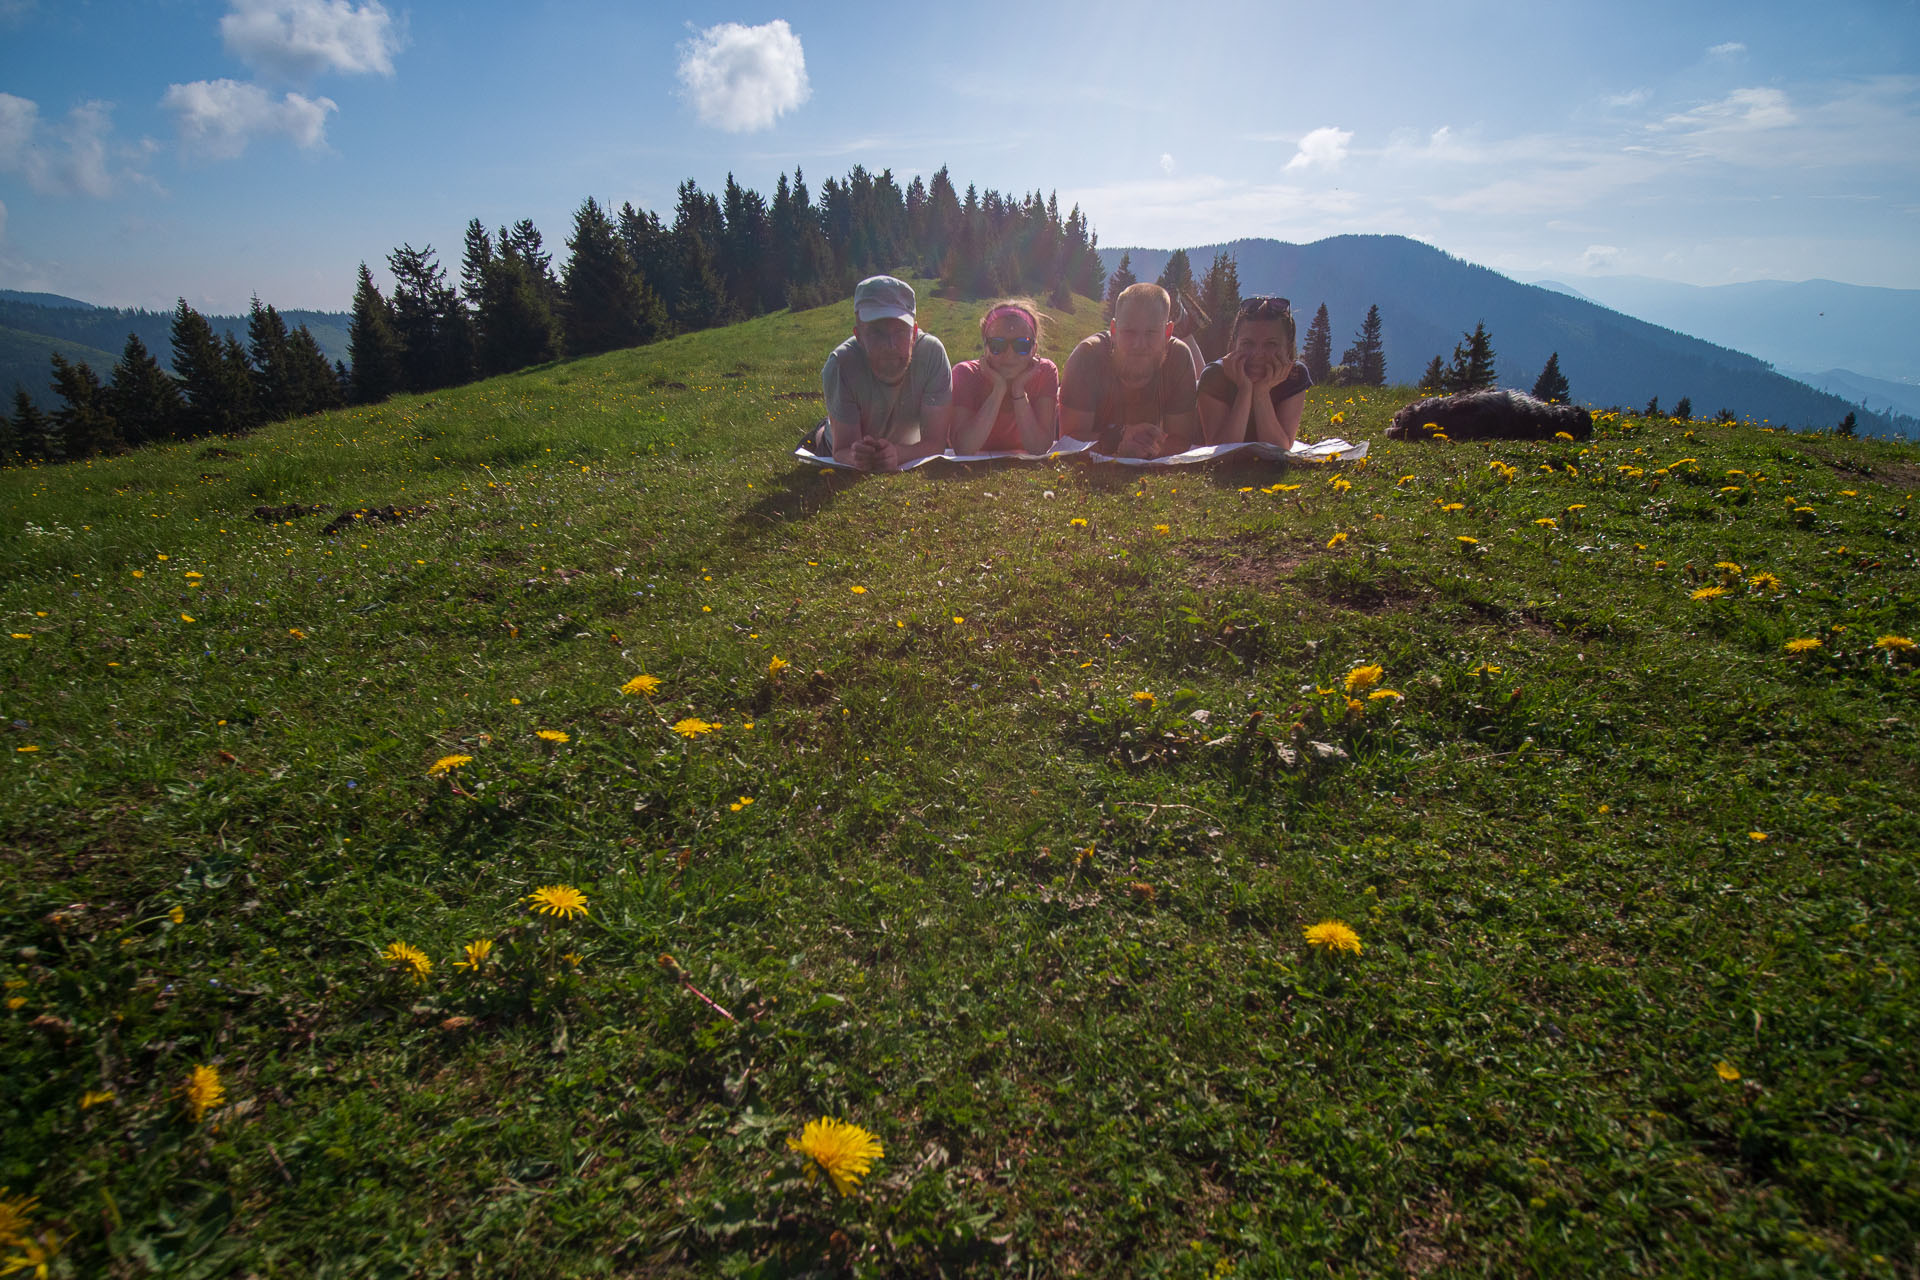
(34, 325)
(1428, 299)
(1808, 324)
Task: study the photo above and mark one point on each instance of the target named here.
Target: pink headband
(1011, 311)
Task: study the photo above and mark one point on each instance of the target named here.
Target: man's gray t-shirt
(884, 412)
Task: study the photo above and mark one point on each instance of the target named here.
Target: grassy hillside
(993, 807)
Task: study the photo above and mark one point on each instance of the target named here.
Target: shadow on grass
(803, 492)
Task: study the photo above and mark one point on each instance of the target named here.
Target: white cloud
(299, 39)
(1599, 257)
(741, 79)
(1631, 98)
(69, 158)
(1325, 147)
(1731, 49)
(1166, 162)
(218, 118)
(1741, 110)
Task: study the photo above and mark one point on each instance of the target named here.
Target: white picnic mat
(1319, 451)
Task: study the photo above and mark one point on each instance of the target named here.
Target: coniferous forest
(624, 277)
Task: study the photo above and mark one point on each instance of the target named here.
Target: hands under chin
(1141, 440)
(870, 454)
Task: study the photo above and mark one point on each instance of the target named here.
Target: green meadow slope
(986, 809)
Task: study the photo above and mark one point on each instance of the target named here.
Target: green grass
(1042, 936)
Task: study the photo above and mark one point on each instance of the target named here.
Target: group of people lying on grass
(1134, 391)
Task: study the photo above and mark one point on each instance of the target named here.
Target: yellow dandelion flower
(1803, 511)
(1453, 506)
(1728, 566)
(1078, 522)
(1285, 488)
(447, 764)
(1142, 695)
(1578, 506)
(1163, 529)
(643, 683)
(959, 621)
(1337, 419)
(1362, 678)
(1379, 694)
(29, 749)
(1894, 644)
(16, 1213)
(1757, 836)
(1336, 540)
(560, 900)
(474, 954)
(1849, 493)
(1726, 1071)
(1331, 936)
(1547, 522)
(186, 618)
(23, 635)
(692, 728)
(552, 735)
(859, 591)
(88, 1100)
(1340, 485)
(34, 1257)
(178, 915)
(139, 573)
(1803, 644)
(296, 633)
(843, 1152)
(1709, 593)
(776, 665)
(1562, 435)
(410, 960)
(1465, 541)
(203, 1091)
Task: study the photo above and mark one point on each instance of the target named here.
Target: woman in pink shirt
(1009, 399)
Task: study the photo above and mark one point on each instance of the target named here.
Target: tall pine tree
(145, 398)
(275, 378)
(218, 392)
(34, 437)
(1219, 293)
(606, 309)
(1434, 380)
(1177, 277)
(1551, 385)
(85, 422)
(372, 345)
(1118, 283)
(1366, 359)
(1477, 374)
(1317, 352)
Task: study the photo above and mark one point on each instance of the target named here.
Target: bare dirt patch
(1248, 559)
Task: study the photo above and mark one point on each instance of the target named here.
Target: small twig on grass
(672, 966)
(1156, 808)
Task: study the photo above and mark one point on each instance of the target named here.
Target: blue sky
(213, 149)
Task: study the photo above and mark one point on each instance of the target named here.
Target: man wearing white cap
(889, 387)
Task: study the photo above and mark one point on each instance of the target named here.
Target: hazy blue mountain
(1428, 299)
(1806, 324)
(81, 331)
(1876, 394)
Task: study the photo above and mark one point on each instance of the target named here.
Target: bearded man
(1131, 390)
(889, 388)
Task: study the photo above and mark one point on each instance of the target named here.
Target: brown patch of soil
(1259, 561)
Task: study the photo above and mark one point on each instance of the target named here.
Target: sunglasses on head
(999, 346)
(1265, 308)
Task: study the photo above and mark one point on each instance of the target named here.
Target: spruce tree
(1683, 410)
(1177, 277)
(35, 438)
(1119, 282)
(372, 344)
(276, 381)
(315, 387)
(1653, 408)
(145, 398)
(1220, 294)
(242, 394)
(213, 405)
(86, 426)
(1434, 380)
(1478, 373)
(1367, 357)
(1551, 385)
(435, 331)
(1317, 352)
(606, 309)
(1455, 379)
(520, 327)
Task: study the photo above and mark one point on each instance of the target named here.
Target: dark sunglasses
(1265, 308)
(998, 346)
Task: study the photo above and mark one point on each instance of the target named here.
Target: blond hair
(1145, 290)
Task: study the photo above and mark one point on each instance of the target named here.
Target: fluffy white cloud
(299, 39)
(1166, 162)
(744, 78)
(1325, 147)
(218, 118)
(1731, 49)
(69, 158)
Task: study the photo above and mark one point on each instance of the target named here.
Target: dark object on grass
(1489, 415)
(292, 511)
(388, 514)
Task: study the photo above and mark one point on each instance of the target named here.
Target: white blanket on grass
(1333, 450)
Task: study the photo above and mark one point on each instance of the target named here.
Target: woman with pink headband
(1008, 400)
